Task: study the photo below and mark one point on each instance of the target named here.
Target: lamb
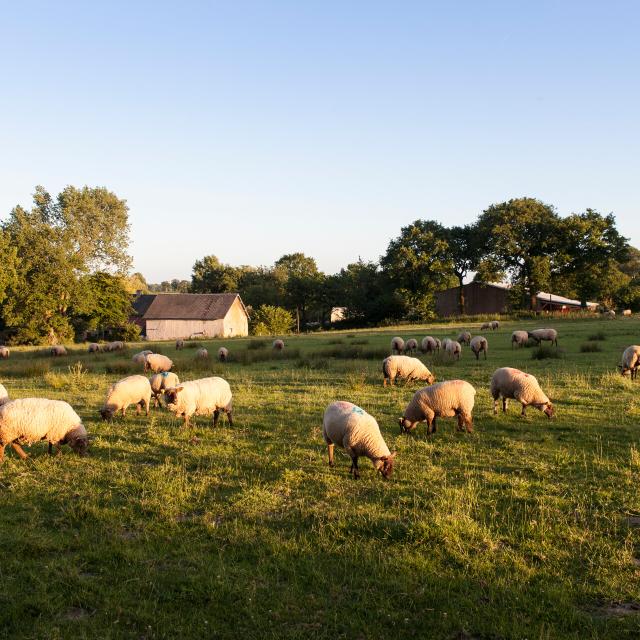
(4, 395)
(30, 420)
(131, 390)
(278, 345)
(405, 367)
(202, 354)
(495, 325)
(479, 344)
(160, 382)
(445, 399)
(179, 345)
(519, 338)
(4, 352)
(411, 346)
(429, 345)
(58, 350)
(544, 334)
(630, 361)
(157, 363)
(140, 357)
(454, 349)
(513, 383)
(118, 345)
(94, 347)
(223, 354)
(358, 433)
(397, 345)
(464, 337)
(200, 397)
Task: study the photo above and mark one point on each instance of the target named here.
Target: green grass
(524, 528)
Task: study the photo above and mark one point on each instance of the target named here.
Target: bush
(597, 336)
(543, 353)
(590, 347)
(269, 321)
(129, 332)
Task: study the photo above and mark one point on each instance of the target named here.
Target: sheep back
(513, 383)
(405, 367)
(157, 363)
(129, 390)
(397, 344)
(199, 397)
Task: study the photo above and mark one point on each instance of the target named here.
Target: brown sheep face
(386, 468)
(80, 446)
(549, 410)
(107, 413)
(406, 425)
(171, 396)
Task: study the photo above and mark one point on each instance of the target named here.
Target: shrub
(597, 336)
(590, 347)
(544, 352)
(269, 321)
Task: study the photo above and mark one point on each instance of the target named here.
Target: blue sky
(253, 129)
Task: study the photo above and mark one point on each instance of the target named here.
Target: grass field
(526, 528)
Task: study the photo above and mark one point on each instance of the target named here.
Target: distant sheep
(630, 361)
(278, 345)
(58, 350)
(411, 346)
(157, 363)
(397, 345)
(495, 325)
(179, 344)
(140, 358)
(518, 385)
(30, 420)
(405, 367)
(131, 390)
(626, 312)
(94, 347)
(117, 345)
(519, 338)
(161, 381)
(486, 325)
(454, 349)
(202, 354)
(445, 399)
(223, 354)
(352, 428)
(207, 396)
(609, 314)
(4, 395)
(464, 337)
(479, 345)
(539, 335)
(4, 352)
(429, 345)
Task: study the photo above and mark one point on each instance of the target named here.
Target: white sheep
(157, 363)
(161, 381)
(30, 420)
(626, 313)
(550, 335)
(518, 385)
(478, 345)
(464, 337)
(454, 349)
(278, 345)
(495, 325)
(202, 354)
(405, 367)
(4, 395)
(117, 345)
(179, 344)
(411, 346)
(139, 358)
(486, 325)
(445, 343)
(429, 345)
(223, 354)
(442, 400)
(58, 350)
(131, 390)
(610, 314)
(519, 338)
(4, 352)
(201, 398)
(630, 361)
(397, 345)
(358, 433)
(94, 347)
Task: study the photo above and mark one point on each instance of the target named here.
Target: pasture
(526, 528)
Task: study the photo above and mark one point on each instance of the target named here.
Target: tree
(268, 321)
(464, 251)
(211, 276)
(136, 282)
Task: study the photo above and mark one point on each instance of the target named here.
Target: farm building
(167, 316)
(493, 298)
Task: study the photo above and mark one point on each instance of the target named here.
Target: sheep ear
(178, 389)
(392, 456)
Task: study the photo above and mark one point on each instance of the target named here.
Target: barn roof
(187, 306)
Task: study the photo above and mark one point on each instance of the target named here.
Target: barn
(167, 316)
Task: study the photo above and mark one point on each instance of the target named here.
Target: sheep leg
(505, 403)
(495, 406)
(485, 354)
(230, 417)
(216, 415)
(354, 468)
(146, 404)
(524, 410)
(138, 408)
(19, 450)
(2, 453)
(330, 447)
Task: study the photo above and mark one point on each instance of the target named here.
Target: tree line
(65, 269)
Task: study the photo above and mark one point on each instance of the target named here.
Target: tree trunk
(297, 320)
(461, 297)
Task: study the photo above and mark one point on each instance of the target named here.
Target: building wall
(479, 299)
(236, 322)
(172, 329)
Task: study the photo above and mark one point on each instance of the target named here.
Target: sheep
(513, 383)
(454, 349)
(139, 358)
(161, 381)
(630, 361)
(202, 354)
(609, 314)
(544, 334)
(411, 346)
(429, 345)
(495, 325)
(94, 347)
(4, 352)
(157, 363)
(486, 325)
(438, 344)
(478, 344)
(278, 345)
(223, 354)
(118, 345)
(442, 400)
(464, 337)
(29, 420)
(179, 345)
(200, 397)
(445, 343)
(358, 433)
(397, 345)
(58, 350)
(519, 338)
(626, 313)
(4, 395)
(405, 367)
(131, 390)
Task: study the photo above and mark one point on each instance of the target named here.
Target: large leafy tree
(465, 251)
(211, 276)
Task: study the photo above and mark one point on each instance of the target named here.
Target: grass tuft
(590, 347)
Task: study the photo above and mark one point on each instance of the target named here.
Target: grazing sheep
(479, 344)
(30, 420)
(630, 361)
(513, 383)
(405, 367)
(94, 347)
(117, 345)
(442, 400)
(223, 354)
(610, 314)
(520, 338)
(626, 312)
(140, 357)
(58, 350)
(429, 345)
(161, 381)
(438, 344)
(4, 352)
(4, 395)
(202, 354)
(179, 344)
(486, 325)
(397, 345)
(411, 346)
(495, 325)
(131, 390)
(157, 363)
(464, 337)
(445, 343)
(454, 349)
(550, 335)
(201, 398)
(278, 345)
(358, 433)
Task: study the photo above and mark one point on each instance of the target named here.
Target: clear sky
(253, 129)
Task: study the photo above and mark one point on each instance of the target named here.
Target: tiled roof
(188, 306)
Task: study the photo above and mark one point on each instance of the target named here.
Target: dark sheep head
(386, 468)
